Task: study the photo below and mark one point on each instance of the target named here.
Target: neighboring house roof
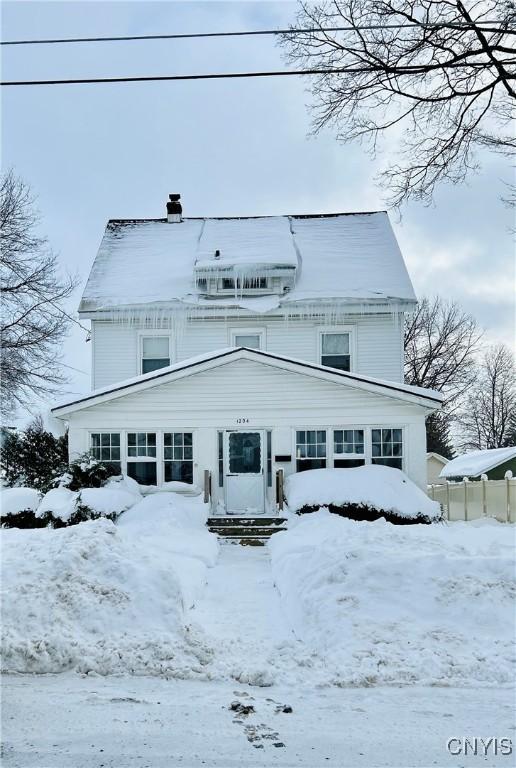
(351, 257)
(433, 455)
(476, 463)
(417, 395)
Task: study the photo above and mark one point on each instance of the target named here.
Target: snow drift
(382, 488)
(104, 598)
(425, 604)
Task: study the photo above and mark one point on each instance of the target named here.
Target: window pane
(153, 364)
(341, 362)
(178, 453)
(155, 346)
(131, 450)
(143, 472)
(301, 466)
(95, 440)
(335, 344)
(167, 452)
(376, 436)
(179, 470)
(151, 438)
(348, 463)
(141, 439)
(188, 438)
(105, 439)
(131, 438)
(245, 453)
(301, 437)
(105, 454)
(167, 438)
(338, 435)
(115, 454)
(396, 435)
(115, 438)
(188, 453)
(251, 341)
(391, 462)
(321, 436)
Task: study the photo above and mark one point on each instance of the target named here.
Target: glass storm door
(245, 486)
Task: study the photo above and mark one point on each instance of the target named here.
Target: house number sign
(243, 420)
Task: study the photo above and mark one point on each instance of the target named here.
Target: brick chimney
(174, 209)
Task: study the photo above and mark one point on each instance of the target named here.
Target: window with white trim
(310, 449)
(387, 447)
(105, 447)
(155, 352)
(178, 456)
(336, 349)
(141, 457)
(252, 338)
(348, 448)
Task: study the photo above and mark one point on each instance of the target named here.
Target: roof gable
(337, 257)
(417, 395)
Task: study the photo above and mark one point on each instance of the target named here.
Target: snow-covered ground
(69, 721)
(156, 630)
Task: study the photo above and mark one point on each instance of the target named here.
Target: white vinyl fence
(471, 499)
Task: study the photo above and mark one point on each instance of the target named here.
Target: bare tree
(441, 343)
(438, 74)
(32, 321)
(488, 414)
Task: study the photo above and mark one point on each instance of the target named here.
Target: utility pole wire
(294, 31)
(409, 70)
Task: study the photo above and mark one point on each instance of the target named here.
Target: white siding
(262, 396)
(378, 344)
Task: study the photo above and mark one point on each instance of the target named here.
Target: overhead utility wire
(219, 75)
(190, 35)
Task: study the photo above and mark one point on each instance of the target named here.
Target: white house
(239, 346)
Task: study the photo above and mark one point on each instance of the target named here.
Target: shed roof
(476, 463)
(346, 256)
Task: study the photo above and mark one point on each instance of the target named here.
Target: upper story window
(336, 349)
(155, 351)
(253, 338)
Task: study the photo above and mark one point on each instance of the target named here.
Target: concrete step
(244, 541)
(247, 521)
(244, 530)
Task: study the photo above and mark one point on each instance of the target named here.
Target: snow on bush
(59, 503)
(378, 488)
(16, 500)
(425, 604)
(108, 599)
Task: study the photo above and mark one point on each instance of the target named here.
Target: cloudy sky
(95, 152)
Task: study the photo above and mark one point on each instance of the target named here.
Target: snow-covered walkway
(239, 617)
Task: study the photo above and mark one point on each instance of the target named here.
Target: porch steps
(246, 531)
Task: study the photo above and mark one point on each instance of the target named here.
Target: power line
(250, 33)
(226, 75)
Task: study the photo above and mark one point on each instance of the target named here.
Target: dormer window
(216, 279)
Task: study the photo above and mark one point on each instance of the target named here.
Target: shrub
(87, 472)
(364, 512)
(33, 457)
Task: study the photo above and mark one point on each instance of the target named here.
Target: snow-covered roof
(428, 398)
(352, 256)
(476, 463)
(433, 455)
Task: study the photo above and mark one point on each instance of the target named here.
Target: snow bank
(15, 500)
(110, 500)
(376, 486)
(387, 604)
(108, 599)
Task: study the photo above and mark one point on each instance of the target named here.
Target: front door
(245, 482)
